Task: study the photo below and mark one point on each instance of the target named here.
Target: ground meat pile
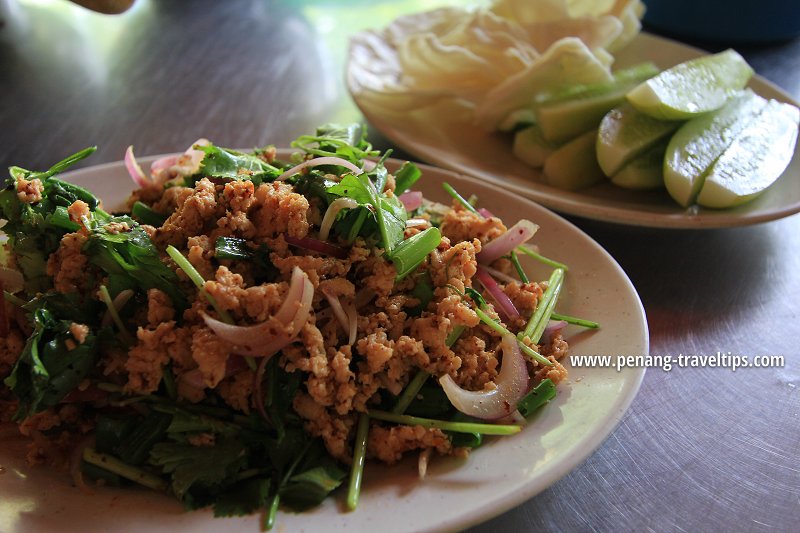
(396, 336)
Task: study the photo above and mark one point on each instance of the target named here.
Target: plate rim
(562, 201)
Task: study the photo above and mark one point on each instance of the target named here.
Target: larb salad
(251, 330)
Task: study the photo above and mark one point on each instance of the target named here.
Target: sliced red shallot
(510, 386)
(517, 234)
(338, 310)
(118, 302)
(504, 304)
(552, 327)
(485, 213)
(163, 163)
(352, 317)
(75, 459)
(12, 280)
(135, 171)
(411, 200)
(316, 245)
(417, 223)
(496, 274)
(331, 214)
(269, 337)
(345, 313)
(424, 459)
(317, 161)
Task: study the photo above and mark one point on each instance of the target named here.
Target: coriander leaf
(198, 467)
(387, 211)
(35, 230)
(132, 254)
(348, 142)
(52, 362)
(224, 163)
(243, 498)
(356, 187)
(308, 489)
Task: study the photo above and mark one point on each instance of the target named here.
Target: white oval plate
(443, 134)
(455, 494)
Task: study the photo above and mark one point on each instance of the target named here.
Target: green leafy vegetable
(35, 229)
(131, 254)
(225, 163)
(348, 142)
(52, 363)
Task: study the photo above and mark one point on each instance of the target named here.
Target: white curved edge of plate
(580, 451)
(667, 215)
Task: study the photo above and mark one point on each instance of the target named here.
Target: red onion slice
(510, 386)
(332, 212)
(118, 302)
(316, 245)
(12, 280)
(504, 303)
(496, 274)
(485, 213)
(163, 163)
(317, 161)
(135, 171)
(75, 459)
(411, 200)
(518, 234)
(553, 327)
(417, 223)
(352, 317)
(338, 310)
(257, 398)
(269, 337)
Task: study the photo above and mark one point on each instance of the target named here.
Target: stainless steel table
(700, 449)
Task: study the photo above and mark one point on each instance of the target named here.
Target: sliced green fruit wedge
(625, 133)
(574, 165)
(692, 88)
(531, 147)
(701, 141)
(756, 158)
(645, 171)
(566, 114)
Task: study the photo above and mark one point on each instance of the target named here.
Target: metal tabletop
(701, 449)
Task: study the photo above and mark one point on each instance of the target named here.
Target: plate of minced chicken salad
(315, 337)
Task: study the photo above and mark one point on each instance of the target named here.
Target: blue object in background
(734, 21)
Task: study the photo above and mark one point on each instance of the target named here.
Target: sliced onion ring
(317, 161)
(118, 302)
(518, 234)
(553, 327)
(163, 163)
(135, 171)
(504, 303)
(12, 280)
(269, 337)
(316, 245)
(411, 200)
(331, 213)
(510, 386)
